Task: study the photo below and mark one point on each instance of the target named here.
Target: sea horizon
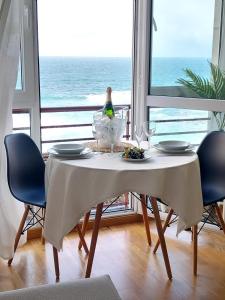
(82, 81)
(70, 81)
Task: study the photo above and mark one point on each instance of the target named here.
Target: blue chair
(211, 154)
(26, 173)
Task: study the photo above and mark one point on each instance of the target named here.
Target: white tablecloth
(73, 187)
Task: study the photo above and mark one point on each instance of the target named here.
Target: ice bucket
(110, 131)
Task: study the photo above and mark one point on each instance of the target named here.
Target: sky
(85, 27)
(185, 28)
(103, 28)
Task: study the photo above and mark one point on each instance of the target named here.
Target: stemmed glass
(149, 129)
(138, 133)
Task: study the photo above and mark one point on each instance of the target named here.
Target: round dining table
(75, 186)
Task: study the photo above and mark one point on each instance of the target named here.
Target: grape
(133, 153)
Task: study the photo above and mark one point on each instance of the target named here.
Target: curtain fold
(10, 30)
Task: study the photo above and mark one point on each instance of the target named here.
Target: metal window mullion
(186, 103)
(141, 63)
(219, 38)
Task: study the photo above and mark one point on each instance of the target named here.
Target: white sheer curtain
(10, 25)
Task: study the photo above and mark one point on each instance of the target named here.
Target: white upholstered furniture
(99, 288)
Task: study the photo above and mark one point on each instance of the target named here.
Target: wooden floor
(122, 252)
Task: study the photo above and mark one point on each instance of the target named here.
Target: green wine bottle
(108, 109)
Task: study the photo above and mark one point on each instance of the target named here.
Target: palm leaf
(197, 84)
(213, 89)
(218, 81)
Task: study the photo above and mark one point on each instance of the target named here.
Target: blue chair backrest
(25, 165)
(211, 155)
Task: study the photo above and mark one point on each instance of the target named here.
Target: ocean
(73, 81)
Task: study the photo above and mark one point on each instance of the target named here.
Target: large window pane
(80, 56)
(183, 39)
(87, 50)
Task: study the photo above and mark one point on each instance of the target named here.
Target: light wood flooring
(123, 253)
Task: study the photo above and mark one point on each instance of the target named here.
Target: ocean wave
(118, 97)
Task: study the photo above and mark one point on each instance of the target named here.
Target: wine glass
(149, 129)
(138, 133)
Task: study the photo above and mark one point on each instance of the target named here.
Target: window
(157, 92)
(181, 38)
(79, 57)
(88, 50)
(177, 36)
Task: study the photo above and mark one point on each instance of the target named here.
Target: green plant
(212, 89)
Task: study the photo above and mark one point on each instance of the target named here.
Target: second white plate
(83, 154)
(68, 148)
(180, 151)
(174, 145)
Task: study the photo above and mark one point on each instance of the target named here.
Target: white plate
(146, 157)
(173, 151)
(68, 148)
(83, 154)
(174, 145)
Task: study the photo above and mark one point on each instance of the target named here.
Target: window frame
(28, 97)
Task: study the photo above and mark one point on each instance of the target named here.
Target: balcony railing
(65, 111)
(82, 109)
(76, 109)
(181, 132)
(194, 127)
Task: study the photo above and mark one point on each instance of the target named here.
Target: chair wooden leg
(84, 227)
(161, 236)
(42, 237)
(195, 248)
(56, 262)
(94, 239)
(220, 217)
(82, 240)
(169, 215)
(145, 219)
(19, 232)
